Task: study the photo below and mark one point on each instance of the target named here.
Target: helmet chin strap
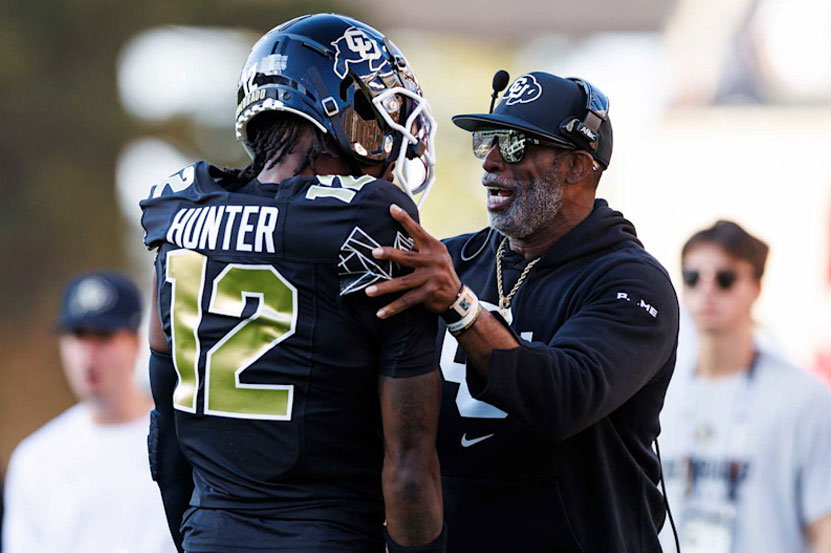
(386, 169)
(355, 168)
(337, 125)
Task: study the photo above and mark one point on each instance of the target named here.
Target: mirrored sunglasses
(724, 278)
(511, 143)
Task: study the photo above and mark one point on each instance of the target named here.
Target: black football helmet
(350, 81)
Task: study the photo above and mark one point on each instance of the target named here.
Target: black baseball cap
(570, 112)
(100, 301)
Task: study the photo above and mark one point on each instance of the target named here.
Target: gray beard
(534, 204)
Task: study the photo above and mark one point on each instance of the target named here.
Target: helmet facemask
(416, 150)
(398, 127)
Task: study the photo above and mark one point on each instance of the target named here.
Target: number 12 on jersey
(273, 321)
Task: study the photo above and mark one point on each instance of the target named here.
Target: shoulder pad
(374, 227)
(189, 185)
(174, 183)
(199, 177)
(346, 188)
(357, 268)
(340, 187)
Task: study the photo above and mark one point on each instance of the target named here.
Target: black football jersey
(277, 349)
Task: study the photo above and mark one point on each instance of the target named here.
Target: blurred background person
(746, 436)
(81, 483)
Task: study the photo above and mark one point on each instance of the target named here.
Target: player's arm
(411, 477)
(408, 386)
(169, 468)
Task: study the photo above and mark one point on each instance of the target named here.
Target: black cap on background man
(102, 302)
(99, 344)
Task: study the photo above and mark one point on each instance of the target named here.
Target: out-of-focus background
(721, 109)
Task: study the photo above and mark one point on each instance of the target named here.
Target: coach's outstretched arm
(168, 466)
(411, 478)
(597, 360)
(602, 356)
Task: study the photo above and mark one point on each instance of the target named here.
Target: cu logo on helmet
(523, 90)
(355, 47)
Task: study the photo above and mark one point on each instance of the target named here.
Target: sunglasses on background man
(724, 278)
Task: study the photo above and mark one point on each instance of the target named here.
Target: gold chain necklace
(505, 301)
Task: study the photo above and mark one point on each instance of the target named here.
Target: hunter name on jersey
(248, 228)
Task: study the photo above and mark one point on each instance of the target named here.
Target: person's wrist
(449, 315)
(465, 324)
(463, 312)
(460, 305)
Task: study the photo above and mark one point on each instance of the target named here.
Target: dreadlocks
(274, 135)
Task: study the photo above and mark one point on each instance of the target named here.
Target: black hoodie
(554, 451)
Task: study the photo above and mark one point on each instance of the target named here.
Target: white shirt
(79, 487)
(785, 478)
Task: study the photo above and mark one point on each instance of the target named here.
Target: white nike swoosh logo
(474, 441)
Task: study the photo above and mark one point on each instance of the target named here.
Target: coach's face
(524, 196)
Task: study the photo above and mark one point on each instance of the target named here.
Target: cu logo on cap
(92, 295)
(523, 90)
(355, 47)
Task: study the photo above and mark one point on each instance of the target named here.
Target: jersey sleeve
(168, 466)
(406, 342)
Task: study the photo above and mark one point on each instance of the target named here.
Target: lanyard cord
(666, 499)
(737, 435)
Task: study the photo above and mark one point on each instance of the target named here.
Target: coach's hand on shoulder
(433, 281)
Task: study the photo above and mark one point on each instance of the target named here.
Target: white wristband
(467, 321)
